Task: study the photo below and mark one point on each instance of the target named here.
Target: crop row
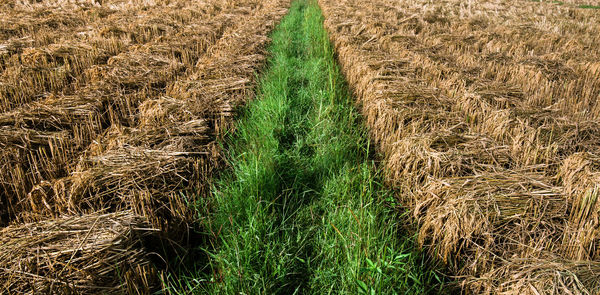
(487, 114)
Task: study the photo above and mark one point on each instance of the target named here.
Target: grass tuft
(589, 6)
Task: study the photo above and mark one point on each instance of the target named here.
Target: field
(487, 114)
(109, 114)
(299, 147)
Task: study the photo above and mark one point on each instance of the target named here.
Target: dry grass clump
(221, 83)
(41, 141)
(148, 170)
(416, 159)
(580, 174)
(129, 128)
(88, 254)
(487, 115)
(487, 214)
(135, 70)
(532, 276)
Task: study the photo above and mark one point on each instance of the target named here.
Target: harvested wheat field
(109, 114)
(226, 147)
(488, 117)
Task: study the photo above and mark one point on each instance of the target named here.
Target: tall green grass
(303, 210)
(587, 6)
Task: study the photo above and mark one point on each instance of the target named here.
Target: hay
(580, 173)
(550, 275)
(116, 111)
(41, 140)
(48, 135)
(164, 110)
(148, 168)
(487, 117)
(136, 70)
(415, 159)
(74, 42)
(83, 113)
(157, 164)
(489, 214)
(101, 252)
(111, 179)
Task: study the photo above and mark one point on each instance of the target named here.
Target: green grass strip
(304, 211)
(589, 6)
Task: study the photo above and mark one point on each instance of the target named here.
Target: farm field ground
(109, 117)
(164, 147)
(488, 117)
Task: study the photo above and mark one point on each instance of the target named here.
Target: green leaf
(362, 287)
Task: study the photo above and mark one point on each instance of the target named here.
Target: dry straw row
(154, 155)
(87, 254)
(30, 69)
(45, 138)
(490, 139)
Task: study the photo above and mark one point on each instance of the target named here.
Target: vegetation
(304, 210)
(488, 119)
(111, 115)
(587, 6)
(122, 169)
